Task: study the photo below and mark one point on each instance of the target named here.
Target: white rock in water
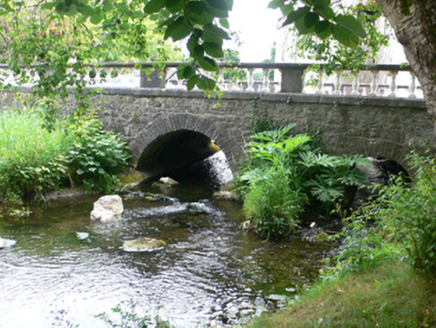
(6, 242)
(168, 181)
(143, 244)
(107, 208)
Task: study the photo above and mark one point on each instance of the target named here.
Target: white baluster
(220, 80)
(250, 87)
(320, 82)
(393, 85)
(265, 87)
(109, 76)
(235, 85)
(338, 82)
(373, 91)
(412, 87)
(355, 84)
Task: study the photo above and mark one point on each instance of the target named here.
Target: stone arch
(184, 124)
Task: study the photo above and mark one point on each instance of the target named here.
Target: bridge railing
(374, 80)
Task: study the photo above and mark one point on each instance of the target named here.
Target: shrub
(32, 158)
(95, 155)
(272, 206)
(35, 158)
(304, 170)
(400, 220)
(409, 215)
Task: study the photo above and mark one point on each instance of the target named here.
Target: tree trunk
(416, 31)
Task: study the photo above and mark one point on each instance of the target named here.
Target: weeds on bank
(286, 173)
(35, 159)
(384, 274)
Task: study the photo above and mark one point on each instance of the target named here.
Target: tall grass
(31, 157)
(35, 160)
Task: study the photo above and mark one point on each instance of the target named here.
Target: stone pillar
(152, 80)
(292, 80)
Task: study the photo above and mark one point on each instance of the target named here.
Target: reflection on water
(53, 278)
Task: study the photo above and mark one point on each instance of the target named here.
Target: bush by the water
(371, 283)
(400, 222)
(285, 173)
(35, 160)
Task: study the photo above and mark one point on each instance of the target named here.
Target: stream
(64, 269)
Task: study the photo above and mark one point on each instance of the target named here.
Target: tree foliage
(203, 23)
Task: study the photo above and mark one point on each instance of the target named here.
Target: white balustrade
(395, 81)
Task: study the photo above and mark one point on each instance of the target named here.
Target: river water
(64, 270)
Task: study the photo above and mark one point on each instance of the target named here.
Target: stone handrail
(374, 80)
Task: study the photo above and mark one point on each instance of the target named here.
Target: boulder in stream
(6, 242)
(144, 244)
(107, 208)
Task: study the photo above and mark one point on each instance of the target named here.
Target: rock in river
(107, 208)
(6, 242)
(143, 244)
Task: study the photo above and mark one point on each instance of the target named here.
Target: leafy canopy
(204, 24)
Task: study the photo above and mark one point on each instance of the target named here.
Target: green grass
(391, 295)
(31, 157)
(35, 160)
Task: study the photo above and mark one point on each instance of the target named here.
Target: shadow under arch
(175, 150)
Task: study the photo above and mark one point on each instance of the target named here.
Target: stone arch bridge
(167, 129)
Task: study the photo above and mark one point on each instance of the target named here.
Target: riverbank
(390, 295)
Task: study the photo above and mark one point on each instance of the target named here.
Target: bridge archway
(179, 141)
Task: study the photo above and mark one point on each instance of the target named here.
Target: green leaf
(219, 4)
(213, 49)
(205, 83)
(62, 8)
(185, 71)
(322, 3)
(107, 5)
(87, 10)
(287, 9)
(208, 64)
(311, 19)
(215, 12)
(224, 23)
(154, 6)
(345, 37)
(173, 6)
(293, 16)
(96, 19)
(323, 29)
(197, 12)
(274, 4)
(192, 82)
(217, 31)
(325, 12)
(199, 51)
(178, 29)
(48, 5)
(192, 43)
(82, 19)
(351, 24)
(72, 11)
(301, 26)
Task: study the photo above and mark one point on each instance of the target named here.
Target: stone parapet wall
(370, 126)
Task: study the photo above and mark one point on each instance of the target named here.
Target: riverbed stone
(143, 244)
(4, 243)
(107, 208)
(168, 182)
(229, 195)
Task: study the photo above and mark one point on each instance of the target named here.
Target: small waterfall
(213, 171)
